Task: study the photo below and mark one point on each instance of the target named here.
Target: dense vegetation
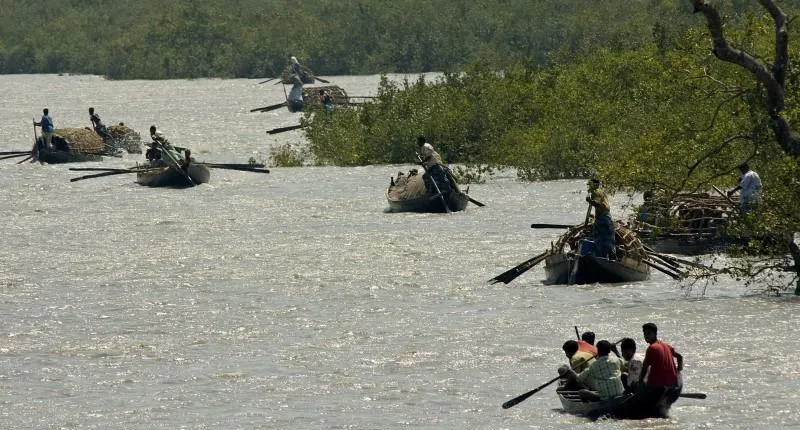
(157, 39)
(626, 90)
(665, 115)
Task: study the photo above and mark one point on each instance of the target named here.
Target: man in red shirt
(586, 343)
(659, 365)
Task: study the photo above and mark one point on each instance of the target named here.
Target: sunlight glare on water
(294, 300)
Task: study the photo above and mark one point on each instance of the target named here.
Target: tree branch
(772, 78)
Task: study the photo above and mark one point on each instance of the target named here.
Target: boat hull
(55, 156)
(643, 405)
(173, 178)
(591, 269)
(430, 203)
(414, 196)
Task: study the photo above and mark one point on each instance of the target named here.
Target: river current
(294, 300)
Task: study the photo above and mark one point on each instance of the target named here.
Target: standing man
(297, 69)
(659, 368)
(295, 100)
(750, 185)
(433, 165)
(47, 128)
(97, 124)
(327, 101)
(603, 229)
(102, 131)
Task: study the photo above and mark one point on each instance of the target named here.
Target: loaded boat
(418, 193)
(571, 261)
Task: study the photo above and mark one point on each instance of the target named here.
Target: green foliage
(287, 156)
(157, 39)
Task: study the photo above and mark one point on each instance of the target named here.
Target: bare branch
(771, 77)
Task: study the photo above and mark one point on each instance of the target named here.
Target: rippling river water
(292, 300)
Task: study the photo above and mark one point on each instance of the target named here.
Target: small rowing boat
(571, 261)
(642, 405)
(174, 177)
(411, 194)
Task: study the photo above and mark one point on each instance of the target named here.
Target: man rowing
(432, 162)
(163, 153)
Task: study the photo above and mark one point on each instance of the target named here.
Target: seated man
(578, 360)
(602, 377)
(586, 343)
(631, 365)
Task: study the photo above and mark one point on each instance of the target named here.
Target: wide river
(293, 300)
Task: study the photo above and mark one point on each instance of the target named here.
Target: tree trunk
(771, 77)
(795, 250)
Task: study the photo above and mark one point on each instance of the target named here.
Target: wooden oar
(650, 252)
(475, 202)
(243, 169)
(552, 225)
(101, 169)
(519, 399)
(521, 268)
(727, 197)
(663, 270)
(15, 155)
(282, 129)
(175, 164)
(268, 80)
(14, 152)
(237, 165)
(573, 274)
(269, 108)
(700, 396)
(25, 159)
(99, 175)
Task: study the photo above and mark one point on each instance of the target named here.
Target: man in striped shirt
(602, 378)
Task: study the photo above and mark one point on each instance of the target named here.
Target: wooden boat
(411, 194)
(626, 406)
(74, 145)
(685, 223)
(174, 177)
(570, 260)
(56, 156)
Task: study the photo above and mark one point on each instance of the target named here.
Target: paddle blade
(22, 154)
(521, 398)
(476, 203)
(269, 108)
(700, 396)
(282, 129)
(25, 159)
(100, 175)
(242, 169)
(552, 225)
(521, 268)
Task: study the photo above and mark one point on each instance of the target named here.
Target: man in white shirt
(750, 185)
(632, 365)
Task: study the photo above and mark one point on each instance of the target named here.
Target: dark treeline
(157, 39)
